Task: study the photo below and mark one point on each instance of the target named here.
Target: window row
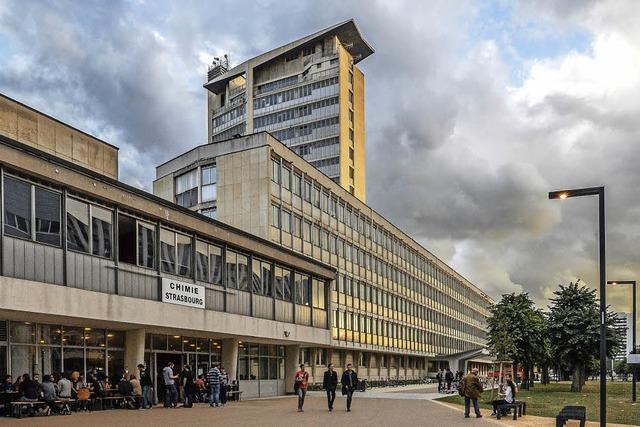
(230, 115)
(291, 94)
(293, 113)
(303, 130)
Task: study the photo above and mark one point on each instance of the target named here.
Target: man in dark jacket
(448, 376)
(349, 382)
(146, 384)
(329, 383)
(472, 390)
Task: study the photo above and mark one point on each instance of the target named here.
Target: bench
(519, 407)
(63, 405)
(234, 395)
(110, 400)
(572, 413)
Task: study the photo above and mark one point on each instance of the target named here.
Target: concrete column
(134, 349)
(230, 357)
(291, 357)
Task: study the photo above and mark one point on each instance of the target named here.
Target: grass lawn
(547, 401)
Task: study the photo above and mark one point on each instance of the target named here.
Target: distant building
(624, 323)
(308, 93)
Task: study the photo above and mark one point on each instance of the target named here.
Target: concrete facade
(309, 93)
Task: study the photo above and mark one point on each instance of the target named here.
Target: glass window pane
(77, 225)
(72, 336)
(94, 337)
(286, 284)
(266, 279)
(256, 277)
(278, 283)
(17, 208)
(101, 223)
(209, 193)
(115, 363)
(243, 272)
(115, 339)
(51, 360)
(231, 269)
(22, 360)
(215, 256)
(184, 255)
(47, 217)
(167, 251)
(22, 332)
(126, 239)
(175, 343)
(202, 261)
(95, 363)
(50, 334)
(146, 245)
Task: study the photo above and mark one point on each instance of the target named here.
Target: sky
(474, 111)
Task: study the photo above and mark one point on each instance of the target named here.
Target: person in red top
(302, 381)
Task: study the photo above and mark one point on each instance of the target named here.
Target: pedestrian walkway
(370, 412)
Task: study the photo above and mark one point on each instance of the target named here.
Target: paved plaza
(370, 411)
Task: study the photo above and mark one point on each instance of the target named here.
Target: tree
(574, 330)
(516, 332)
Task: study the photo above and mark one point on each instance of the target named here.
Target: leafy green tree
(574, 330)
(517, 332)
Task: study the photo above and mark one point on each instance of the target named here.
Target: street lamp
(633, 337)
(596, 191)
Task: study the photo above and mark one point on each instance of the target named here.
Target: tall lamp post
(596, 191)
(633, 337)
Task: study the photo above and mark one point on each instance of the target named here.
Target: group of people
(349, 383)
(446, 377)
(471, 388)
(212, 388)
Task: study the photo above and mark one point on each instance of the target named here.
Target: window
(307, 190)
(275, 171)
(350, 77)
(315, 197)
(322, 356)
(275, 216)
(351, 153)
(168, 251)
(351, 97)
(184, 254)
(77, 226)
(351, 134)
(307, 231)
(209, 179)
(351, 116)
(232, 269)
(286, 221)
(47, 214)
(283, 283)
(297, 184)
(297, 226)
(17, 208)
(318, 294)
(215, 266)
(202, 261)
(187, 189)
(210, 212)
(146, 245)
(286, 178)
(302, 289)
(101, 231)
(243, 272)
(261, 277)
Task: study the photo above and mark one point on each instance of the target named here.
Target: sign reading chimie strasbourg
(188, 294)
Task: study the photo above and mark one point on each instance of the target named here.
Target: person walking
(440, 377)
(213, 377)
(301, 383)
(170, 391)
(188, 385)
(329, 384)
(147, 385)
(448, 377)
(349, 382)
(471, 389)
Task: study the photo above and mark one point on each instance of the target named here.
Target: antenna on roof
(218, 67)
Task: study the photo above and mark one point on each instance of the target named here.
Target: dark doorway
(162, 359)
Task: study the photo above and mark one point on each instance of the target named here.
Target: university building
(98, 276)
(308, 93)
(395, 309)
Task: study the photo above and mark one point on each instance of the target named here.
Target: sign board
(175, 292)
(633, 359)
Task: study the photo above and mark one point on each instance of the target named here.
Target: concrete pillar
(291, 357)
(230, 357)
(134, 349)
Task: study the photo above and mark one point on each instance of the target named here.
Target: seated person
(49, 394)
(509, 396)
(29, 389)
(126, 390)
(137, 390)
(64, 386)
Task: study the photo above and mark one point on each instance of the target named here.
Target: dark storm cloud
(459, 154)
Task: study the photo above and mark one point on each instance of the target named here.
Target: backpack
(461, 388)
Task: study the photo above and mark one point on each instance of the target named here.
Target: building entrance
(161, 360)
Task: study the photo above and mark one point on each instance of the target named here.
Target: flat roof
(346, 31)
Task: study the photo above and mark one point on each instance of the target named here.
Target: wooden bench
(572, 413)
(519, 409)
(110, 400)
(64, 406)
(234, 395)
